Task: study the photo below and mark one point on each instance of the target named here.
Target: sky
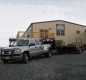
(17, 15)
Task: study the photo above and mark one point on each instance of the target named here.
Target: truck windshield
(20, 43)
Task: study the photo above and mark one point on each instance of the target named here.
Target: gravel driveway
(58, 67)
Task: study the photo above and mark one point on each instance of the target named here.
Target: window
(37, 42)
(20, 42)
(79, 40)
(60, 29)
(31, 42)
(44, 33)
(78, 32)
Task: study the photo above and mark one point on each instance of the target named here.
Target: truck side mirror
(9, 45)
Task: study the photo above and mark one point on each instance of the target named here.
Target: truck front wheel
(5, 61)
(25, 58)
(80, 51)
(48, 54)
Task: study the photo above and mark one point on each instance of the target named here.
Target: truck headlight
(9, 52)
(17, 51)
(2, 52)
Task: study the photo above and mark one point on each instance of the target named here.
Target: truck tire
(57, 52)
(80, 51)
(5, 61)
(48, 54)
(25, 58)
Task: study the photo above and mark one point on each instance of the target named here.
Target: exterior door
(43, 33)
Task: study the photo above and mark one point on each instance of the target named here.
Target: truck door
(38, 46)
(32, 48)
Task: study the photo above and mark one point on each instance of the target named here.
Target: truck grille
(7, 52)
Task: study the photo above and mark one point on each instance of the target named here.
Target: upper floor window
(78, 32)
(60, 29)
(85, 30)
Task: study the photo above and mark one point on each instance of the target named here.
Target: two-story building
(59, 29)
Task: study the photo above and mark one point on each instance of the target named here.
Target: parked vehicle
(25, 48)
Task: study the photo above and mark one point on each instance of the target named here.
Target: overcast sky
(17, 15)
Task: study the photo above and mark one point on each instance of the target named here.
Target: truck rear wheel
(80, 51)
(5, 61)
(48, 54)
(25, 58)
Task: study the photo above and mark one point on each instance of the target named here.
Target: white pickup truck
(25, 48)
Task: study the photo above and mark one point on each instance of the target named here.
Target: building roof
(58, 20)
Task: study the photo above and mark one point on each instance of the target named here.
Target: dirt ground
(57, 67)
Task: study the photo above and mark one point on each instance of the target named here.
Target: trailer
(77, 49)
(69, 49)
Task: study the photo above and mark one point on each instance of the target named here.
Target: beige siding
(27, 32)
(70, 31)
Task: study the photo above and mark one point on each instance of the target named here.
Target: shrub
(73, 44)
(59, 43)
